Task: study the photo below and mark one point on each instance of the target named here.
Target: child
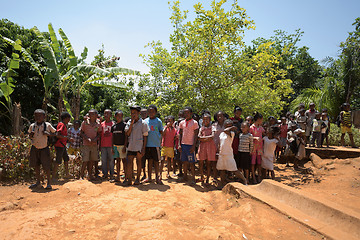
(137, 131)
(218, 127)
(301, 107)
(60, 145)
(345, 124)
(167, 144)
(327, 126)
(119, 142)
(207, 148)
(40, 152)
(226, 161)
(301, 119)
(283, 134)
(316, 130)
(270, 143)
(153, 143)
(246, 145)
(324, 129)
(257, 131)
(143, 114)
(90, 131)
(106, 145)
(74, 133)
(189, 130)
(310, 115)
(237, 123)
(300, 143)
(250, 120)
(290, 150)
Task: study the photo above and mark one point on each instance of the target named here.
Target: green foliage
(14, 155)
(335, 136)
(208, 67)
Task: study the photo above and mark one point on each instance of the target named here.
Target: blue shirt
(154, 137)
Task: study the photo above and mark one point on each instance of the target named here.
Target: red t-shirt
(106, 134)
(283, 130)
(62, 129)
(169, 137)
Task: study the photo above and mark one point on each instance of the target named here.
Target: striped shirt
(346, 118)
(246, 142)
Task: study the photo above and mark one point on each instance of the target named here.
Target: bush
(335, 136)
(14, 155)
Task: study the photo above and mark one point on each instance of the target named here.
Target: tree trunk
(61, 107)
(16, 119)
(77, 106)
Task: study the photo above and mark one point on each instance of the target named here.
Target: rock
(329, 167)
(152, 213)
(83, 187)
(316, 160)
(8, 206)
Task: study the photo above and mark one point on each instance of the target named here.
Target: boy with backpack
(40, 152)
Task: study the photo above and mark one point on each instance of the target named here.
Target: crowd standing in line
(232, 148)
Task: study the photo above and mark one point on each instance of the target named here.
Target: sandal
(48, 187)
(34, 185)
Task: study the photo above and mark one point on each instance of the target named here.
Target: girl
(270, 143)
(226, 160)
(167, 146)
(246, 145)
(207, 149)
(218, 127)
(257, 131)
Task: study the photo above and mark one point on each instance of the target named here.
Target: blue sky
(126, 26)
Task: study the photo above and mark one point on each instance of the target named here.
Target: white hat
(298, 131)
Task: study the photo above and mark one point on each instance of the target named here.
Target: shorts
(61, 154)
(186, 156)
(255, 159)
(118, 151)
(89, 153)
(73, 151)
(132, 153)
(283, 142)
(167, 152)
(243, 160)
(345, 129)
(152, 153)
(40, 157)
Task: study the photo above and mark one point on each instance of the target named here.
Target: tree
(207, 67)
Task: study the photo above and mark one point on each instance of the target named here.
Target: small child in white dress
(270, 143)
(226, 161)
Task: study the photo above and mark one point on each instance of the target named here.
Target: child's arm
(196, 133)
(125, 144)
(251, 140)
(229, 130)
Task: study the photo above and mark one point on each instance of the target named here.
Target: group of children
(234, 147)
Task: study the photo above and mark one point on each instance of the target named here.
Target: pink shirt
(169, 137)
(106, 134)
(188, 127)
(283, 130)
(90, 130)
(257, 132)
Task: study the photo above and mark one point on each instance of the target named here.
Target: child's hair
(257, 116)
(274, 130)
(302, 106)
(324, 110)
(283, 118)
(292, 116)
(126, 119)
(93, 111)
(77, 122)
(302, 110)
(188, 108)
(237, 108)
(64, 115)
(40, 111)
(217, 113)
(118, 112)
(228, 121)
(245, 123)
(204, 112)
(171, 117)
(152, 106)
(251, 117)
(195, 116)
(206, 115)
(344, 105)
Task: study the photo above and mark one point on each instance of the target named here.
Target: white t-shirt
(40, 140)
(269, 155)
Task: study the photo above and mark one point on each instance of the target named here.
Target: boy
(40, 152)
(301, 119)
(167, 146)
(74, 133)
(90, 131)
(189, 131)
(345, 124)
(310, 115)
(143, 114)
(153, 144)
(60, 145)
(316, 130)
(119, 142)
(106, 145)
(137, 131)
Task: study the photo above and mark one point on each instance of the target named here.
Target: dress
(258, 144)
(207, 150)
(268, 158)
(226, 159)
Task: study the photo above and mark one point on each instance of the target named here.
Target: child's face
(347, 108)
(206, 121)
(249, 120)
(302, 113)
(93, 116)
(237, 113)
(152, 113)
(76, 126)
(66, 120)
(245, 128)
(323, 116)
(134, 114)
(170, 122)
(259, 121)
(228, 125)
(187, 114)
(283, 121)
(144, 113)
(119, 117)
(317, 116)
(312, 106)
(107, 115)
(39, 117)
(220, 118)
